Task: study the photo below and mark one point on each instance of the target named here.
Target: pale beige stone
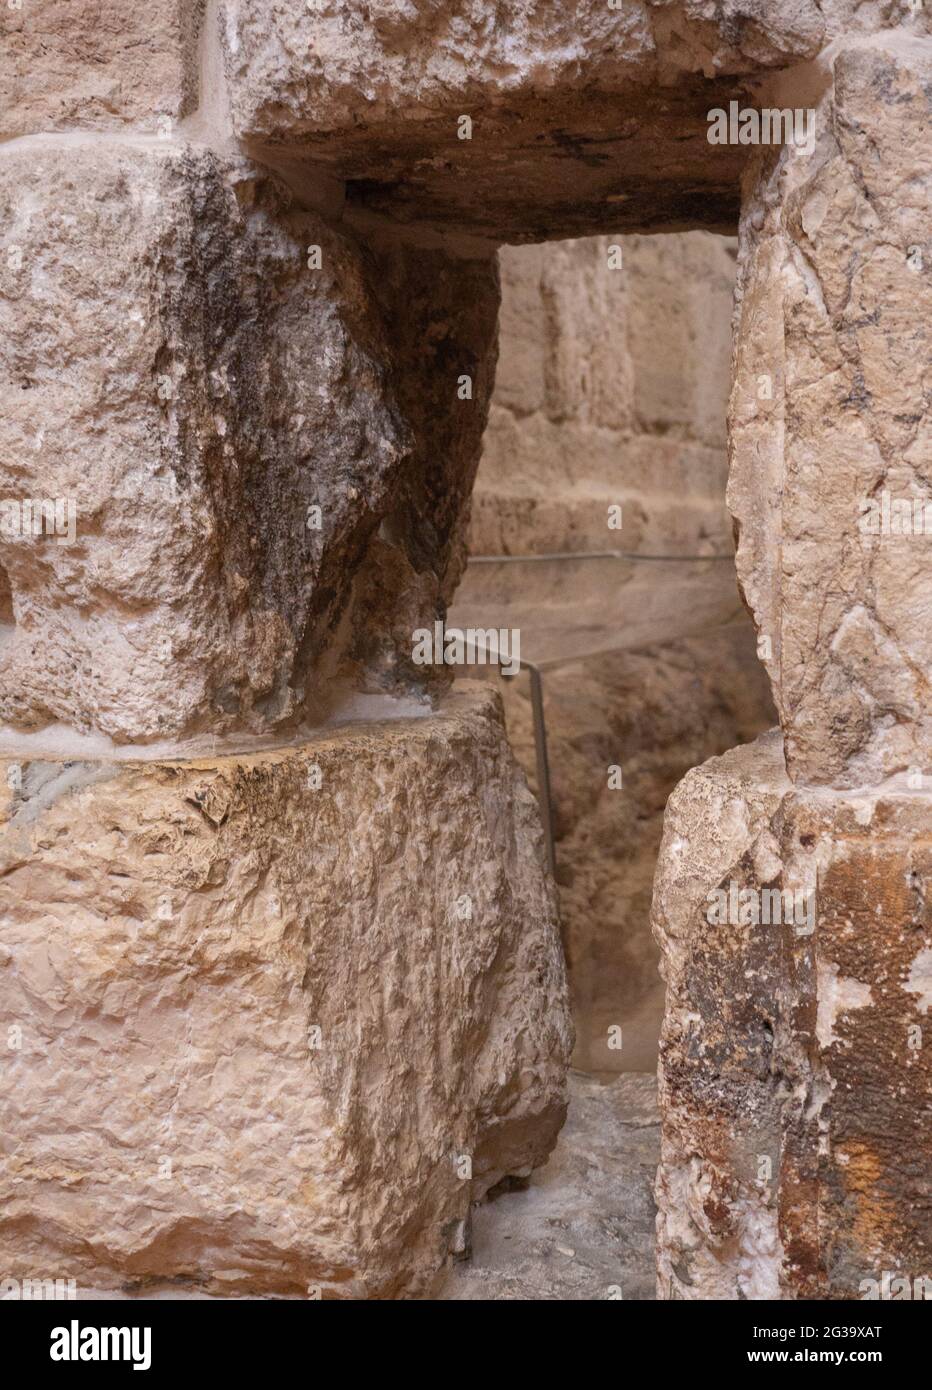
(830, 409)
(174, 370)
(582, 1229)
(174, 933)
(795, 1162)
(281, 1016)
(586, 118)
(331, 66)
(69, 64)
(610, 390)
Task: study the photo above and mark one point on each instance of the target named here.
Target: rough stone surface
(443, 315)
(835, 292)
(173, 935)
(586, 118)
(329, 66)
(172, 366)
(269, 1035)
(566, 105)
(655, 714)
(582, 1228)
(794, 1076)
(69, 64)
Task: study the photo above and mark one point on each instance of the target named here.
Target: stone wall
(791, 900)
(611, 387)
(223, 516)
(248, 301)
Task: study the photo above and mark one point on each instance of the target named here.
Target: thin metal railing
(589, 555)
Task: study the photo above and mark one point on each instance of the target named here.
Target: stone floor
(583, 1227)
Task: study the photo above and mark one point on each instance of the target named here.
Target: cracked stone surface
(793, 1080)
(582, 1229)
(279, 1017)
(835, 308)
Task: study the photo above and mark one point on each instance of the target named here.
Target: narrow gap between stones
(607, 432)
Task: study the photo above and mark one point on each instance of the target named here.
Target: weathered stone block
(584, 118)
(173, 368)
(830, 415)
(797, 951)
(212, 381)
(273, 1020)
(327, 65)
(443, 315)
(69, 64)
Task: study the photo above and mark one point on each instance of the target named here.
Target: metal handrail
(590, 555)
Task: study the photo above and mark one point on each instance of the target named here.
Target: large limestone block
(585, 116)
(329, 66)
(795, 1074)
(67, 64)
(211, 380)
(172, 367)
(273, 1020)
(830, 412)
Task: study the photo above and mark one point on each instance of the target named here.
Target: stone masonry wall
(611, 388)
(248, 323)
(221, 415)
(791, 894)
